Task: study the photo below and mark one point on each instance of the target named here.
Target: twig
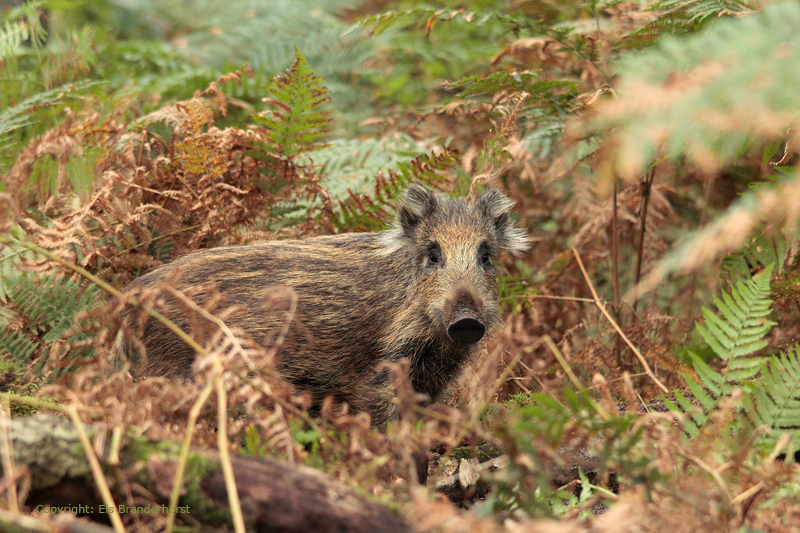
(712, 471)
(264, 388)
(572, 377)
(758, 487)
(616, 326)
(523, 388)
(618, 379)
(615, 272)
(113, 449)
(219, 323)
(647, 185)
(154, 239)
(33, 402)
(615, 253)
(510, 367)
(441, 417)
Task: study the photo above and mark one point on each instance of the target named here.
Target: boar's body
(426, 291)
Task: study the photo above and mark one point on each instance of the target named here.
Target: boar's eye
(434, 255)
(485, 255)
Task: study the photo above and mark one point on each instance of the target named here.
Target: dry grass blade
(97, 470)
(8, 461)
(222, 421)
(225, 458)
(194, 414)
(564, 364)
(616, 326)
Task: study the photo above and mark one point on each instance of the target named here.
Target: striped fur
(364, 299)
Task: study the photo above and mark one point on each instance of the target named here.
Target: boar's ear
(498, 208)
(417, 204)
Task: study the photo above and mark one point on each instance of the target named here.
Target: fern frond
(740, 327)
(427, 18)
(48, 304)
(764, 249)
(295, 123)
(774, 402)
(240, 30)
(352, 164)
(22, 23)
(509, 81)
(11, 256)
(20, 115)
(372, 213)
(12, 35)
(377, 24)
(17, 347)
(50, 301)
(685, 16)
(734, 334)
(706, 87)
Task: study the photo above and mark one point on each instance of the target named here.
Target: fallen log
(275, 496)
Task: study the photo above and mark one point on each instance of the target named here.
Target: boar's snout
(466, 327)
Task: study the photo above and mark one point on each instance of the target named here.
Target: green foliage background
(651, 150)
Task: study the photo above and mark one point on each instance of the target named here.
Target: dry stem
(616, 326)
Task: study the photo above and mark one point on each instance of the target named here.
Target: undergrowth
(648, 368)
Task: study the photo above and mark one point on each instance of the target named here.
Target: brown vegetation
(598, 318)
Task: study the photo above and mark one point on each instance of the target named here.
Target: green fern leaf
(726, 71)
(734, 334)
(372, 213)
(48, 305)
(19, 115)
(352, 164)
(696, 415)
(12, 35)
(18, 347)
(686, 16)
(683, 405)
(377, 24)
(740, 327)
(710, 378)
(428, 18)
(10, 258)
(764, 249)
(773, 402)
(295, 123)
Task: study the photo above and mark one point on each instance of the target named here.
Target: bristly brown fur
(425, 290)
